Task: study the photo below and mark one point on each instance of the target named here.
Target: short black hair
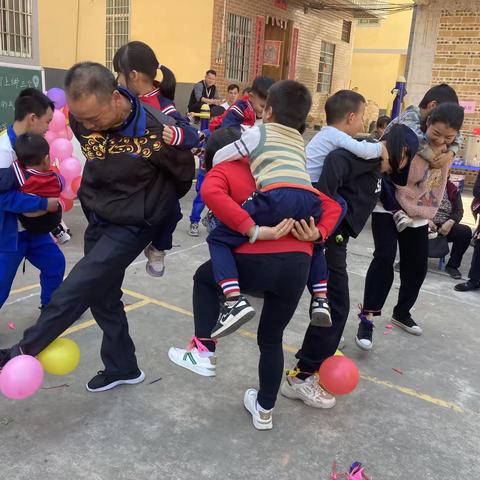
(451, 114)
(383, 121)
(31, 149)
(246, 90)
(232, 87)
(211, 72)
(217, 140)
(442, 93)
(341, 104)
(290, 102)
(29, 101)
(261, 85)
(89, 78)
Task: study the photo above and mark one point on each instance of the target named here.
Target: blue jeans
(42, 252)
(198, 205)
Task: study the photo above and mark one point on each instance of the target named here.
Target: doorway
(276, 58)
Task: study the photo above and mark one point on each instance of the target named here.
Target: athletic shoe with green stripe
(201, 363)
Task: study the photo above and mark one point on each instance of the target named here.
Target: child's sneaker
(201, 363)
(432, 234)
(320, 313)
(262, 419)
(233, 314)
(309, 391)
(61, 235)
(193, 230)
(364, 338)
(155, 266)
(402, 220)
(408, 324)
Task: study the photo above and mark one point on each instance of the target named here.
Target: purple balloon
(21, 377)
(57, 96)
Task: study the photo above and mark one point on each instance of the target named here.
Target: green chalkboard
(13, 79)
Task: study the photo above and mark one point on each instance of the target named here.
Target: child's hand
(306, 232)
(167, 135)
(446, 227)
(273, 233)
(431, 226)
(52, 204)
(384, 155)
(442, 160)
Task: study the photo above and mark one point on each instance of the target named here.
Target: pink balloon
(21, 377)
(58, 121)
(50, 137)
(62, 134)
(61, 149)
(70, 168)
(67, 192)
(69, 133)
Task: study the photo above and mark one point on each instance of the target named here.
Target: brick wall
(457, 58)
(313, 28)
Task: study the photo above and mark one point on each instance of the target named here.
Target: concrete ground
(414, 415)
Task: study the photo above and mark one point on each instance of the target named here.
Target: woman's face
(440, 134)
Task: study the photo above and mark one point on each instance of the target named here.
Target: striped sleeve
(239, 149)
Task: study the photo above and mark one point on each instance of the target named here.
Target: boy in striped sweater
(276, 153)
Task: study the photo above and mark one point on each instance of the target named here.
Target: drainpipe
(410, 41)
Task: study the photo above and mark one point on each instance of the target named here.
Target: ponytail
(168, 83)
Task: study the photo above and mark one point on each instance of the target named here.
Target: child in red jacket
(31, 173)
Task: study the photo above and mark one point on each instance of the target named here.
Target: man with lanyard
(33, 113)
(130, 186)
(204, 92)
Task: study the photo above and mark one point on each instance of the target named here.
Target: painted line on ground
(24, 289)
(21, 299)
(291, 349)
(91, 322)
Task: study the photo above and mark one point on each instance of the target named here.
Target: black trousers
(475, 266)
(413, 244)
(460, 236)
(320, 343)
(95, 282)
(280, 278)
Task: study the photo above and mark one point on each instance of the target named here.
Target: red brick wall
(313, 28)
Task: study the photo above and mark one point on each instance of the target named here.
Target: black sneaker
(232, 318)
(102, 382)
(468, 286)
(4, 357)
(407, 324)
(320, 313)
(364, 338)
(453, 272)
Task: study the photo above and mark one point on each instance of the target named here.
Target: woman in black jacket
(447, 223)
(473, 282)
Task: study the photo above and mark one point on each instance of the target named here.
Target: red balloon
(339, 375)
(75, 185)
(65, 203)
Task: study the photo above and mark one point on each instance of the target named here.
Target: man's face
(96, 113)
(232, 95)
(210, 79)
(39, 125)
(258, 104)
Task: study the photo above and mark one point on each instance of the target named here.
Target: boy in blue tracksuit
(33, 112)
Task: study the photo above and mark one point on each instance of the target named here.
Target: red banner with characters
(259, 45)
(293, 55)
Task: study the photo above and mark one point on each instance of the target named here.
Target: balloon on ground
(21, 377)
(61, 357)
(339, 375)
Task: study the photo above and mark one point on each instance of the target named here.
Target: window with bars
(118, 27)
(239, 39)
(16, 28)
(325, 67)
(346, 31)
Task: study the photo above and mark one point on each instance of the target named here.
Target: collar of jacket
(136, 123)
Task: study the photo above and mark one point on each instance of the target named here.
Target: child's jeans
(266, 209)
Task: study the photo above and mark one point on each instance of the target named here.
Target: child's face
(355, 120)
(232, 96)
(439, 134)
(258, 104)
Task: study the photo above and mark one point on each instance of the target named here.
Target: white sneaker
(61, 236)
(309, 391)
(262, 419)
(200, 363)
(155, 266)
(402, 220)
(193, 231)
(341, 345)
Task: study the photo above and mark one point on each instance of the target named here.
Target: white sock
(261, 409)
(205, 354)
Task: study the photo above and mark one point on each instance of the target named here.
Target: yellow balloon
(60, 357)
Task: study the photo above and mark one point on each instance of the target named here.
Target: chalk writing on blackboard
(14, 81)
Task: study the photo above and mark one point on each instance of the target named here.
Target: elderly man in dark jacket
(131, 183)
